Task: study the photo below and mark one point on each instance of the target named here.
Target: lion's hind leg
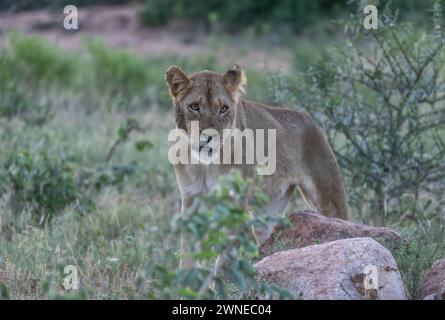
(327, 198)
(322, 182)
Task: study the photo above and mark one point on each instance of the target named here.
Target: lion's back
(259, 115)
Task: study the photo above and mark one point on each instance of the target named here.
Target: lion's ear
(235, 80)
(177, 81)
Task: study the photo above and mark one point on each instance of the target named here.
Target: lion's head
(207, 97)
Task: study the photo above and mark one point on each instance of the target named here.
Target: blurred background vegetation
(231, 14)
(84, 118)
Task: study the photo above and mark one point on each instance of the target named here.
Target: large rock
(308, 228)
(433, 286)
(349, 269)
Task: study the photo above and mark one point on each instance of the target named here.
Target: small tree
(381, 102)
(222, 245)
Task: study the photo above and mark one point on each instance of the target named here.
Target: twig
(131, 126)
(215, 270)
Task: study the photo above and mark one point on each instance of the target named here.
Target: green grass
(110, 241)
(89, 98)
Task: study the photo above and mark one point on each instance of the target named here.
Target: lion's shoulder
(261, 114)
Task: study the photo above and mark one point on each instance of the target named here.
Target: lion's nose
(206, 137)
(205, 140)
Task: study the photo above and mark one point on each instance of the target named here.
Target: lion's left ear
(235, 80)
(178, 82)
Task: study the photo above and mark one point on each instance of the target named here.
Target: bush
(37, 61)
(381, 102)
(421, 247)
(234, 15)
(117, 72)
(222, 228)
(34, 72)
(156, 12)
(14, 5)
(15, 101)
(237, 14)
(134, 80)
(41, 185)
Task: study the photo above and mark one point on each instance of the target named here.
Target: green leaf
(122, 133)
(188, 293)
(4, 292)
(205, 255)
(143, 145)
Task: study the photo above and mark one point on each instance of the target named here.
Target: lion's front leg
(186, 261)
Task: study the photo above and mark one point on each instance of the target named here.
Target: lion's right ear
(177, 81)
(235, 80)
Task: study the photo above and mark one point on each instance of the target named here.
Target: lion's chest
(202, 180)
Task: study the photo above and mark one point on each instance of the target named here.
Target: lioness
(304, 160)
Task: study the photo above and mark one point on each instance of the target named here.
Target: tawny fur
(304, 161)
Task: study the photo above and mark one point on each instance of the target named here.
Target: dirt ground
(119, 26)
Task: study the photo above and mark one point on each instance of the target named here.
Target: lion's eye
(224, 109)
(194, 107)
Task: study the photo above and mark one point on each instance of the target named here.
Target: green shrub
(17, 101)
(381, 102)
(117, 72)
(222, 227)
(421, 247)
(156, 12)
(13, 5)
(41, 185)
(38, 63)
(120, 78)
(238, 14)
(234, 15)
